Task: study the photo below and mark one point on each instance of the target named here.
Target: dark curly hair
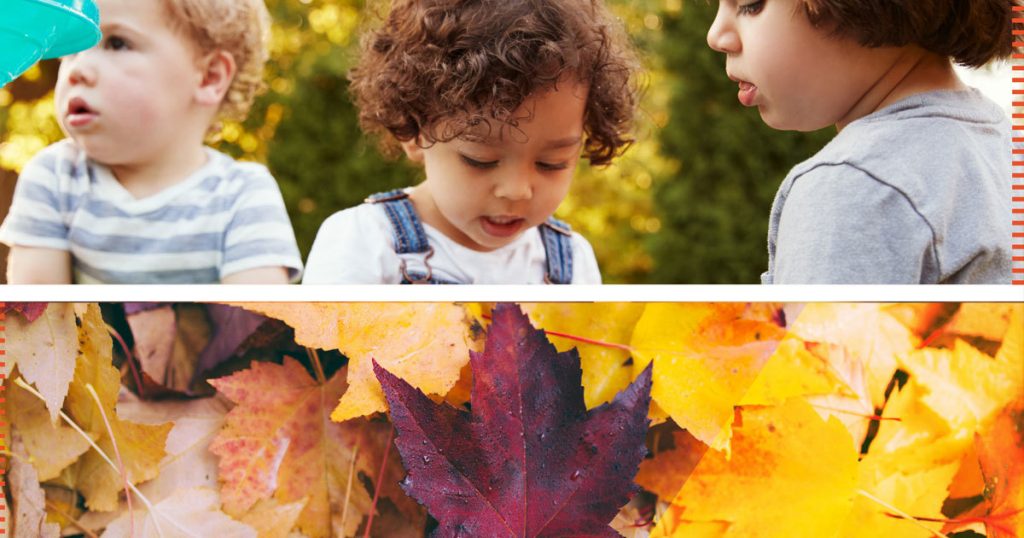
(437, 68)
(971, 32)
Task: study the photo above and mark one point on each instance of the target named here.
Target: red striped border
(1017, 155)
(3, 417)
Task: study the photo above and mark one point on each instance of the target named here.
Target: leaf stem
(380, 481)
(131, 360)
(348, 487)
(318, 368)
(848, 412)
(85, 530)
(901, 513)
(152, 509)
(117, 454)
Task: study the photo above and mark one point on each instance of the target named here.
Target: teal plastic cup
(31, 30)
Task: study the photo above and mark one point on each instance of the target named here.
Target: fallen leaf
(919, 494)
(1001, 454)
(187, 513)
(868, 332)
(231, 327)
(141, 446)
(45, 351)
(790, 474)
(530, 460)
(426, 343)
(49, 447)
(790, 372)
(706, 357)
(984, 320)
(271, 519)
(665, 474)
(964, 386)
(168, 340)
(606, 368)
(279, 441)
(30, 311)
(27, 498)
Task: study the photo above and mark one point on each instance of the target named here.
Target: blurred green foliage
(688, 203)
(714, 210)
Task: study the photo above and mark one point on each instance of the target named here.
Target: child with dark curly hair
(497, 99)
(915, 188)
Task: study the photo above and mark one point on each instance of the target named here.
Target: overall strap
(408, 233)
(557, 237)
(405, 223)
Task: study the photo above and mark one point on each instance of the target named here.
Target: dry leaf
(45, 352)
(27, 498)
(49, 447)
(141, 446)
(278, 441)
(191, 513)
(426, 343)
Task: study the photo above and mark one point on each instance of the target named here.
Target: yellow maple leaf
(706, 357)
(424, 343)
(964, 386)
(141, 446)
(605, 367)
(867, 331)
(50, 447)
(790, 474)
(790, 372)
(919, 494)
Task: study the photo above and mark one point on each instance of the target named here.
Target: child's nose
(722, 37)
(80, 68)
(515, 186)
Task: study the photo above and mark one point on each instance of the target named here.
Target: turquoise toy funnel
(31, 30)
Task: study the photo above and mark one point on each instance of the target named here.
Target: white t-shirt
(356, 246)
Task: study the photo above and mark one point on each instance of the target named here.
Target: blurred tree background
(688, 203)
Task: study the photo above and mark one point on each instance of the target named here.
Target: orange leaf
(424, 343)
(280, 441)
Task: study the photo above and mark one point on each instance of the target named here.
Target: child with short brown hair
(915, 186)
(133, 195)
(497, 99)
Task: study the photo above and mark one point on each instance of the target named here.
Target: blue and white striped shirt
(226, 217)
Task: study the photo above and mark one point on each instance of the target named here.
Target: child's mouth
(747, 93)
(79, 114)
(502, 226)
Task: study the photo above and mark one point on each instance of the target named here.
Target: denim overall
(410, 238)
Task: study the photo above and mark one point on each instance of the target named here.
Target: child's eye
(752, 8)
(553, 166)
(478, 164)
(115, 43)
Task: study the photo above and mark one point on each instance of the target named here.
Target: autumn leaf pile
(642, 420)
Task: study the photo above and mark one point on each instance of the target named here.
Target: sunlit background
(688, 203)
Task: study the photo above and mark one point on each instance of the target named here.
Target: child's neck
(914, 71)
(147, 178)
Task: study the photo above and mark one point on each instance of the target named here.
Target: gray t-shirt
(918, 192)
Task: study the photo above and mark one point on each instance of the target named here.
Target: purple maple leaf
(530, 460)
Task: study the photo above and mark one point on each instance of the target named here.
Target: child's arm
(260, 275)
(37, 265)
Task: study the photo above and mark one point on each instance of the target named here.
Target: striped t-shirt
(226, 217)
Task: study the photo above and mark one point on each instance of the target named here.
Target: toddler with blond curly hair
(133, 195)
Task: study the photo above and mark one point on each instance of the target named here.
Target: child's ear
(413, 150)
(218, 71)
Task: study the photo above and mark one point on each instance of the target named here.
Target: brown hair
(972, 32)
(438, 68)
(238, 27)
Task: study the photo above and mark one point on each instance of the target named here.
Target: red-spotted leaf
(530, 460)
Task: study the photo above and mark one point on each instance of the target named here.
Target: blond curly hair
(239, 27)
